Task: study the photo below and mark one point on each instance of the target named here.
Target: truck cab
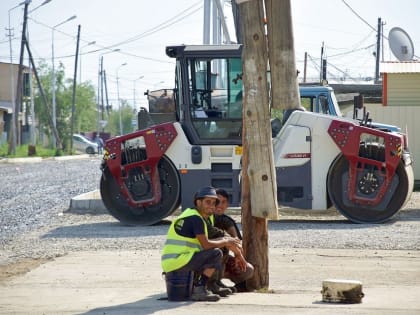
(319, 99)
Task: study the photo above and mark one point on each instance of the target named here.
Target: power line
(171, 21)
(358, 15)
(351, 51)
(175, 19)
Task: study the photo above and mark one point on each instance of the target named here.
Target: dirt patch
(20, 267)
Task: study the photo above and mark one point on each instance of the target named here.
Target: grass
(23, 151)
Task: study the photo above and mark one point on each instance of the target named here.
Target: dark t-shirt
(189, 226)
(213, 231)
(224, 222)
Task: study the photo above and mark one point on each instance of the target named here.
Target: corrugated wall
(403, 89)
(407, 118)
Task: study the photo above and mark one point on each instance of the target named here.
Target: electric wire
(171, 21)
(358, 15)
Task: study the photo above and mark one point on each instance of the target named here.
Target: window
(215, 90)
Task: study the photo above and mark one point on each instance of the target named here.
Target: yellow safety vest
(211, 218)
(178, 250)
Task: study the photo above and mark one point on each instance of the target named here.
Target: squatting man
(189, 248)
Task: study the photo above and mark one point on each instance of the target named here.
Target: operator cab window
(215, 91)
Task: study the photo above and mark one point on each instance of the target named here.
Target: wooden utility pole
(73, 98)
(378, 50)
(259, 189)
(283, 73)
(24, 43)
(19, 89)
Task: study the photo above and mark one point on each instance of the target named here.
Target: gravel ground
(35, 223)
(33, 193)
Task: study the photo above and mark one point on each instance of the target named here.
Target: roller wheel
(398, 192)
(115, 202)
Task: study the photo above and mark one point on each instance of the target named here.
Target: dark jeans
(210, 258)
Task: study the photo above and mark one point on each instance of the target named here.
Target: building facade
(7, 73)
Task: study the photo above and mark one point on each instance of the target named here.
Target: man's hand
(240, 262)
(233, 244)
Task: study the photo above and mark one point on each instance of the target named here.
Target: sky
(141, 29)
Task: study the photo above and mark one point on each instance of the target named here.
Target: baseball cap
(206, 192)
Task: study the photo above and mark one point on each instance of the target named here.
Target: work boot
(222, 285)
(241, 287)
(200, 293)
(213, 287)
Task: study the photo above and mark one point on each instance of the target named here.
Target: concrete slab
(130, 282)
(89, 202)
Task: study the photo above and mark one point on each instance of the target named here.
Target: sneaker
(213, 287)
(200, 293)
(222, 285)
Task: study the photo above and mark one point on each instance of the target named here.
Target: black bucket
(179, 285)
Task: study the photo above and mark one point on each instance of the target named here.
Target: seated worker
(188, 248)
(232, 271)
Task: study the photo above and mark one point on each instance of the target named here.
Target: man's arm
(226, 241)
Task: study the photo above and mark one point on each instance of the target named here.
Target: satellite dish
(401, 45)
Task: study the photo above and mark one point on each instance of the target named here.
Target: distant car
(83, 144)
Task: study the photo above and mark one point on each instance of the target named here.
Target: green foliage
(277, 113)
(85, 105)
(127, 115)
(306, 103)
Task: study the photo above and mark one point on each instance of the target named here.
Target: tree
(44, 74)
(85, 114)
(127, 116)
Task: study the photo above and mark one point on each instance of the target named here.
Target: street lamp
(134, 90)
(12, 85)
(43, 3)
(100, 90)
(118, 97)
(53, 76)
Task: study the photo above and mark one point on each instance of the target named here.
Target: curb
(22, 160)
(37, 159)
(90, 202)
